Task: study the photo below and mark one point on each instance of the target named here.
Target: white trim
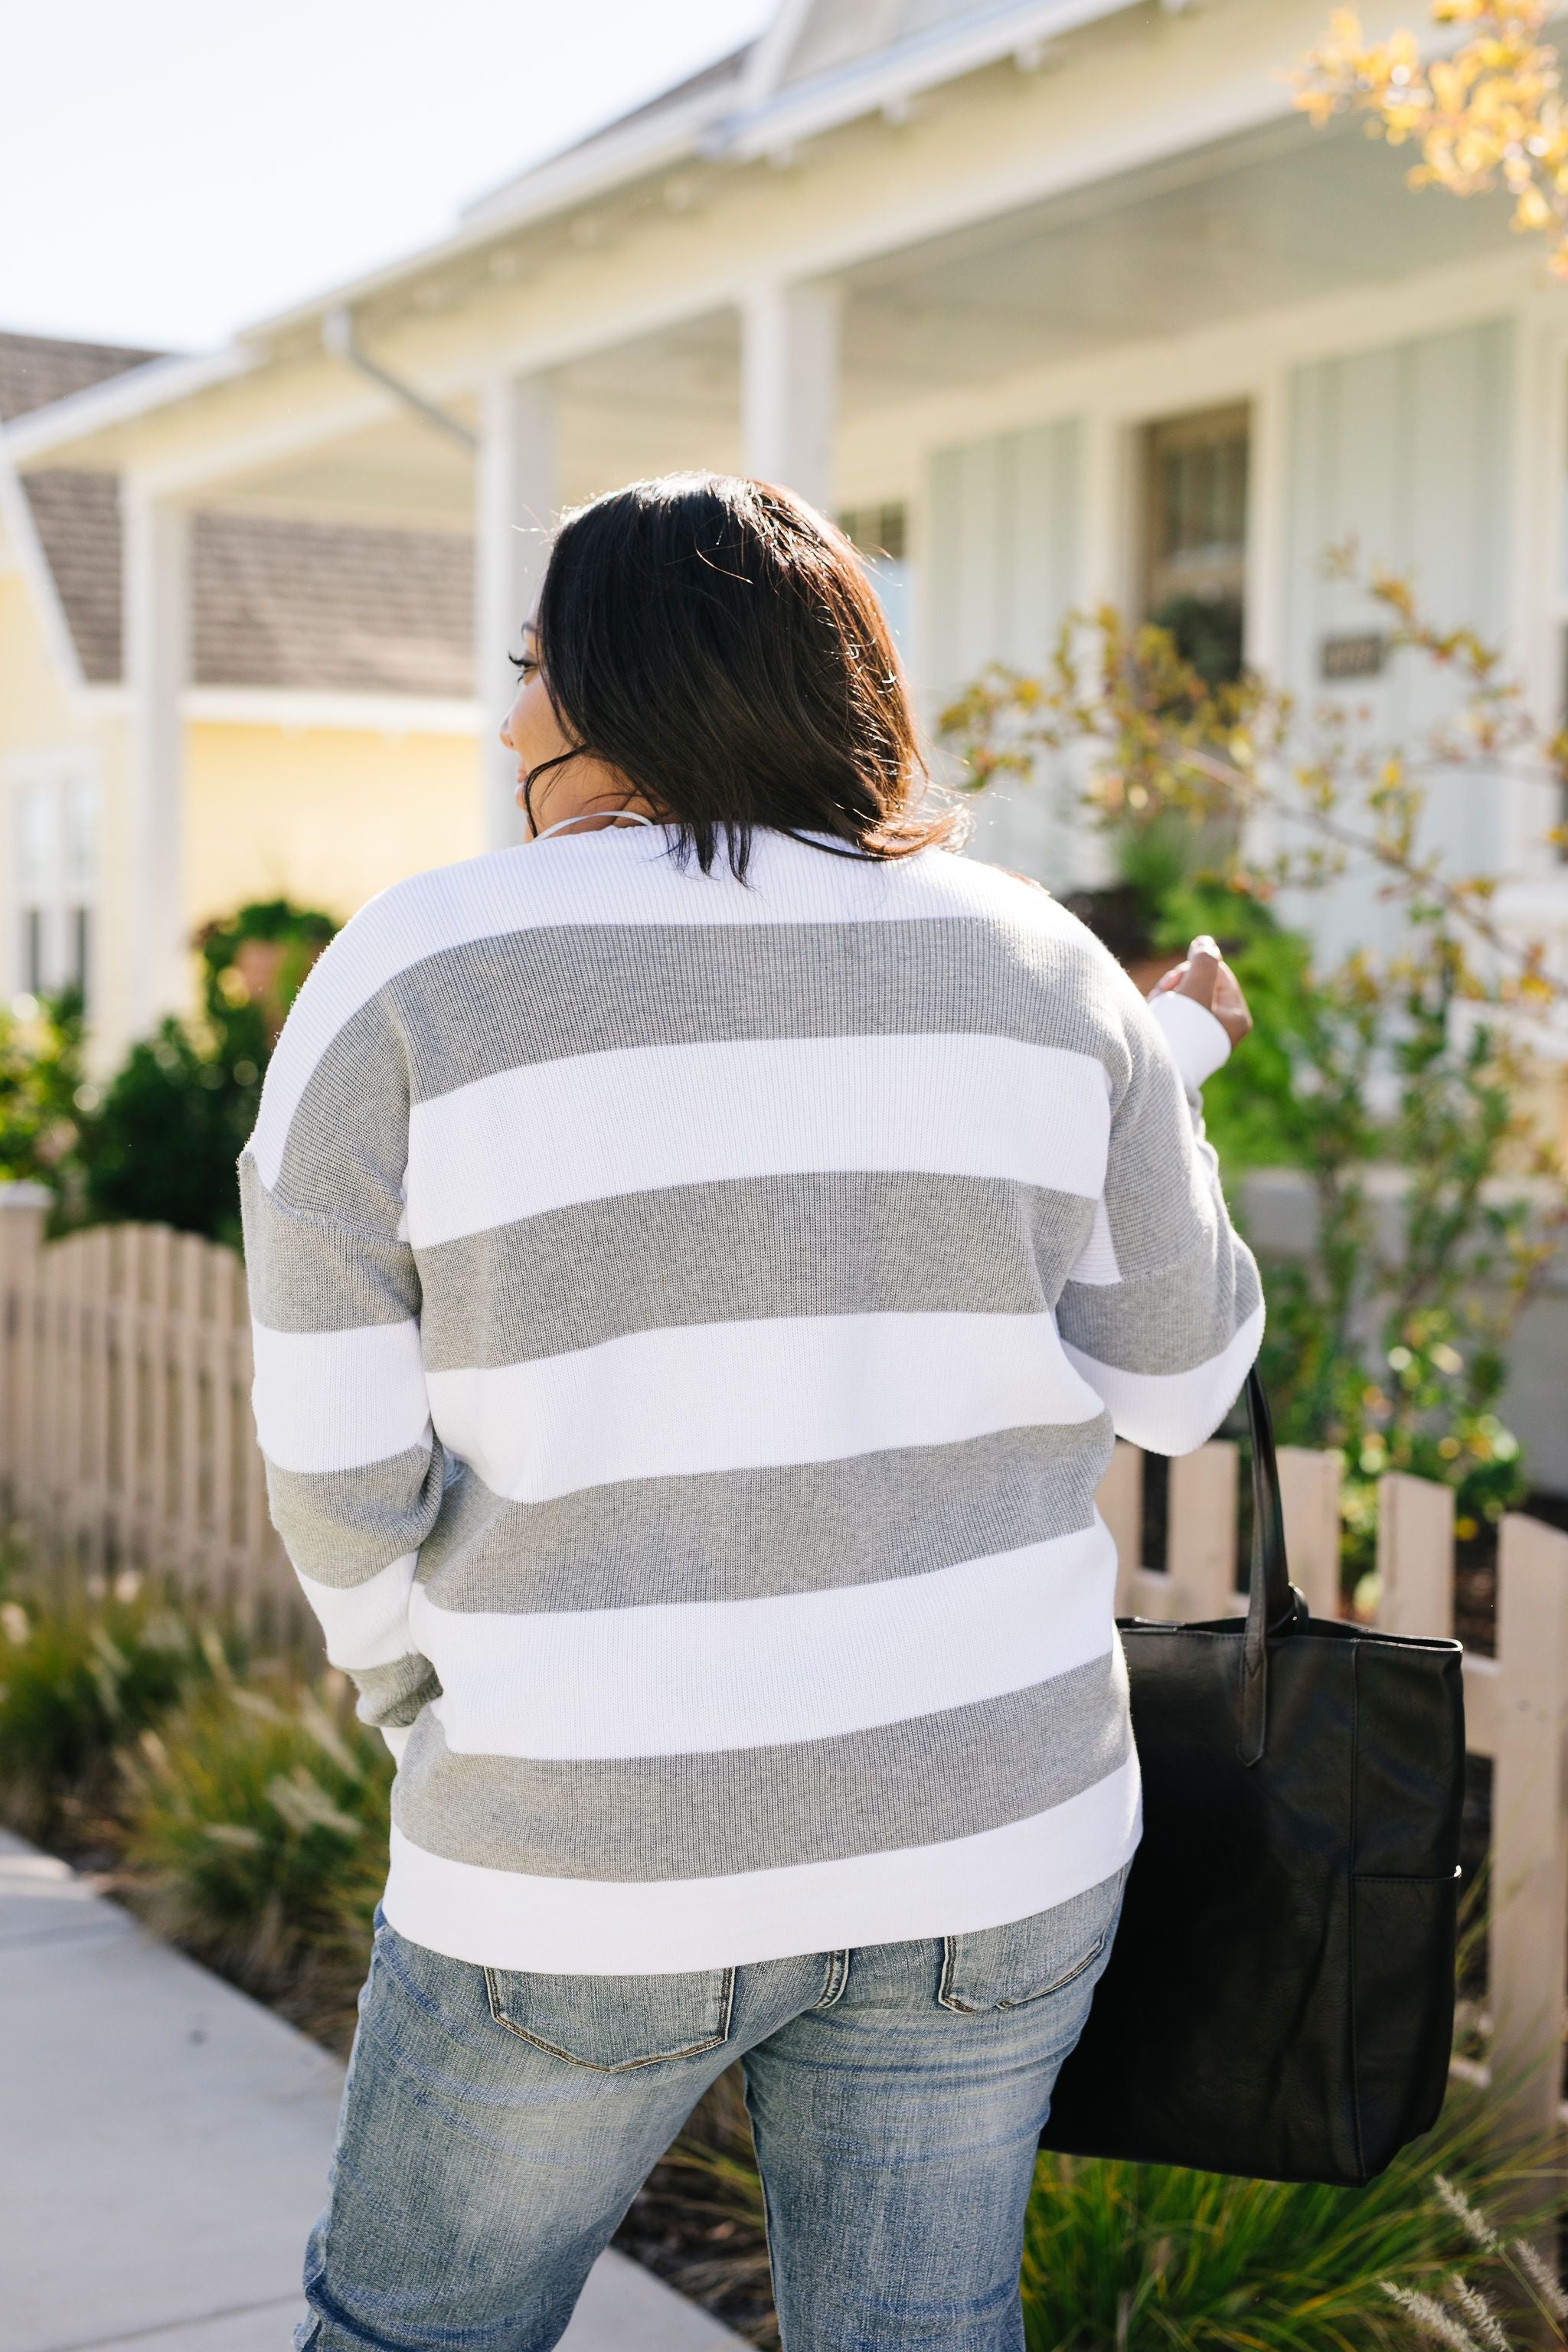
(889, 77)
(22, 534)
(160, 383)
(617, 153)
(301, 710)
(156, 606)
(53, 769)
(1267, 530)
(610, 161)
(771, 51)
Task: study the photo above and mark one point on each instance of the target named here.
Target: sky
(172, 169)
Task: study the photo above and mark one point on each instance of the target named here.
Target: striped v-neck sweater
(692, 1320)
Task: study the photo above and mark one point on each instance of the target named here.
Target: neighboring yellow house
(328, 723)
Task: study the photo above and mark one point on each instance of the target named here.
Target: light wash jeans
(496, 2125)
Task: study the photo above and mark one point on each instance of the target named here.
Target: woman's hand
(1207, 978)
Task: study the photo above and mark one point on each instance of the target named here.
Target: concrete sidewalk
(163, 2146)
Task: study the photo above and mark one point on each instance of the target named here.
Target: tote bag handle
(1273, 1605)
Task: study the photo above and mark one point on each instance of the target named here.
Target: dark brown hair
(717, 642)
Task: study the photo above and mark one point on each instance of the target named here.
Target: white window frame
(63, 895)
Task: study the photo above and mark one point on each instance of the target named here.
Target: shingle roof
(332, 607)
(77, 518)
(37, 369)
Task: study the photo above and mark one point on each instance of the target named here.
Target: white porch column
(157, 662)
(517, 491)
(789, 386)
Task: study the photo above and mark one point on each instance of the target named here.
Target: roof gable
(275, 601)
(808, 38)
(311, 606)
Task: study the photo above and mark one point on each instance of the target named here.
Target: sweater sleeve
(1163, 1314)
(353, 1470)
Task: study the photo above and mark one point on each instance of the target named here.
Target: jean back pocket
(1004, 1968)
(613, 2023)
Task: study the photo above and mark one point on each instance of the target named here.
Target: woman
(701, 1258)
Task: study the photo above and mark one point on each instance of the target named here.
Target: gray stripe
(840, 1244)
(343, 1526)
(347, 1149)
(600, 988)
(918, 1783)
(543, 995)
(1167, 1322)
(737, 1535)
(396, 1694)
(305, 1274)
(1161, 1196)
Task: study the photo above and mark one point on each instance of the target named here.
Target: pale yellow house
(1058, 299)
(327, 721)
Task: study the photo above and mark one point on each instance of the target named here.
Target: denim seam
(626, 2065)
(947, 1999)
(835, 1978)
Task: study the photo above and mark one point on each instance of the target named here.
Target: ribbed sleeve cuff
(1197, 1039)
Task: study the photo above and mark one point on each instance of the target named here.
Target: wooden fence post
(1416, 1557)
(1530, 1826)
(23, 1209)
(1310, 1494)
(1200, 1549)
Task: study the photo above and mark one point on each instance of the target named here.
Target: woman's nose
(506, 732)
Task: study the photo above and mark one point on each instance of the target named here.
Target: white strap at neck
(622, 817)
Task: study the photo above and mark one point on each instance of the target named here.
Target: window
(1195, 535)
(881, 535)
(54, 829)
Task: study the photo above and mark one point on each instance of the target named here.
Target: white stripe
(1198, 1039)
(595, 1125)
(608, 878)
(365, 1624)
(336, 1400)
(510, 1920)
(701, 1675)
(1174, 1413)
(1097, 1264)
(735, 1396)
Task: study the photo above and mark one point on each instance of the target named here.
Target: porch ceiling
(1281, 216)
(400, 471)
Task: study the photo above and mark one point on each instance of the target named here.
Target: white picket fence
(126, 1437)
(126, 1442)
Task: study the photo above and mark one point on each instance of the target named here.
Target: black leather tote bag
(1279, 1998)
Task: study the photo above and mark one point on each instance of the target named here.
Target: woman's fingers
(1208, 980)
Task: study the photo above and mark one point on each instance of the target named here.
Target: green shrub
(1149, 2258)
(77, 1684)
(160, 1148)
(43, 1091)
(257, 1827)
(161, 1144)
